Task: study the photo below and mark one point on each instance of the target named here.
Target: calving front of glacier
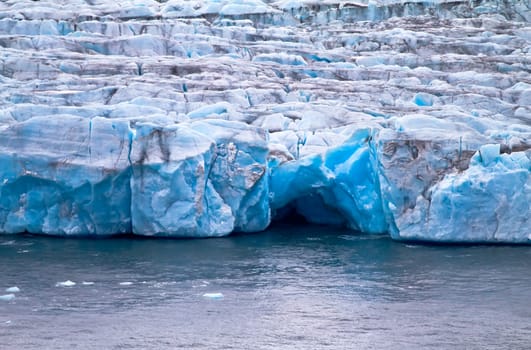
(73, 176)
(438, 188)
(203, 118)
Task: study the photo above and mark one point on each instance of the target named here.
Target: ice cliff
(202, 118)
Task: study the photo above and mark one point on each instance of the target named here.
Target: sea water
(287, 288)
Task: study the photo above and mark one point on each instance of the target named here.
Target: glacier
(202, 118)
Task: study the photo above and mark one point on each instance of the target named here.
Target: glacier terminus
(205, 117)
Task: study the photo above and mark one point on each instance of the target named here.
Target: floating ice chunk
(87, 283)
(13, 289)
(7, 297)
(160, 284)
(126, 283)
(67, 283)
(213, 295)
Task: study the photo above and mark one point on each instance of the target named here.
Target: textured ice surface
(496, 192)
(206, 178)
(201, 118)
(442, 189)
(65, 175)
(75, 176)
(338, 187)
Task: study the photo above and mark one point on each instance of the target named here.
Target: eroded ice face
(199, 118)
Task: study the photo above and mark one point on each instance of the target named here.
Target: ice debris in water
(67, 283)
(202, 118)
(7, 297)
(13, 289)
(85, 283)
(213, 295)
(125, 283)
(203, 284)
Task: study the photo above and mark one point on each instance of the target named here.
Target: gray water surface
(288, 288)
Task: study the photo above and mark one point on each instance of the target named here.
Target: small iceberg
(65, 284)
(13, 289)
(87, 283)
(126, 283)
(7, 297)
(213, 295)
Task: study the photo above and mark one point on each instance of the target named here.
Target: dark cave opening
(288, 215)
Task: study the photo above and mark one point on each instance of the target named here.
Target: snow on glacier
(201, 118)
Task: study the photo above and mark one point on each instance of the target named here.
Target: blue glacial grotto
(203, 118)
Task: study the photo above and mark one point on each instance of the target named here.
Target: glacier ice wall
(201, 118)
(65, 175)
(439, 188)
(208, 178)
